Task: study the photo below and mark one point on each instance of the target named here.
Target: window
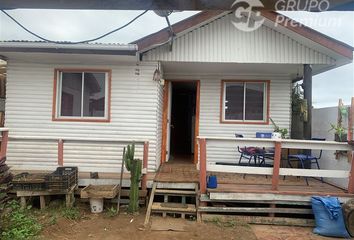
(245, 102)
(82, 95)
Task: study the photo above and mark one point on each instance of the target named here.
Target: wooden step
(172, 192)
(173, 207)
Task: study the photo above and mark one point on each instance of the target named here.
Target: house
(216, 81)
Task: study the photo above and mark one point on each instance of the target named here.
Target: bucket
(212, 182)
(96, 205)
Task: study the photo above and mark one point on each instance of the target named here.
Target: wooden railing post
(61, 152)
(145, 166)
(5, 138)
(276, 166)
(351, 122)
(351, 176)
(202, 165)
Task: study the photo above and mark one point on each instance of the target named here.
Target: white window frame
(265, 102)
(81, 117)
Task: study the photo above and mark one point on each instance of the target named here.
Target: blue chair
(306, 159)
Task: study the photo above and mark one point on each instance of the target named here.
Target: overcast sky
(64, 25)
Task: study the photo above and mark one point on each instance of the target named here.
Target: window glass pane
(234, 101)
(71, 89)
(94, 95)
(254, 101)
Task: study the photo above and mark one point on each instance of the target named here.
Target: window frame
(57, 95)
(266, 104)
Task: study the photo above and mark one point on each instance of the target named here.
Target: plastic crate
(29, 182)
(62, 179)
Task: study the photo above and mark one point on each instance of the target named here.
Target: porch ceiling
(228, 69)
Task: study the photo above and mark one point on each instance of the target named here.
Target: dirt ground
(130, 227)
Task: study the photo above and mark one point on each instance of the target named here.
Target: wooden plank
(351, 176)
(159, 207)
(164, 122)
(172, 192)
(276, 166)
(145, 165)
(126, 192)
(60, 152)
(314, 173)
(260, 220)
(296, 197)
(351, 121)
(151, 200)
(239, 169)
(43, 193)
(4, 141)
(255, 210)
(202, 166)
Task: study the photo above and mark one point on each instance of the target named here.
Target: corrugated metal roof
(67, 47)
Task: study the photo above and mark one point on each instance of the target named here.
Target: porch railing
(61, 141)
(275, 171)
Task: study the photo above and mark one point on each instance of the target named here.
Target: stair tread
(176, 192)
(178, 207)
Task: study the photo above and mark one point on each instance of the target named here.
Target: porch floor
(240, 183)
(177, 173)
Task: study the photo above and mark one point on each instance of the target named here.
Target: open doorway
(182, 126)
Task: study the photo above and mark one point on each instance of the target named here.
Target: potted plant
(340, 133)
(281, 132)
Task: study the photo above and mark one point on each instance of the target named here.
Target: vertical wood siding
(134, 115)
(221, 41)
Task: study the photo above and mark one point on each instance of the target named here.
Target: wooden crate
(99, 191)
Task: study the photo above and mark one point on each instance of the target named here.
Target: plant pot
(344, 138)
(276, 135)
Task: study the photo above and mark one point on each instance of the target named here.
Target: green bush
(17, 224)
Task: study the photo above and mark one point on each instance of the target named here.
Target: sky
(76, 25)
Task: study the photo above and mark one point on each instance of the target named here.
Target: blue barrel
(212, 182)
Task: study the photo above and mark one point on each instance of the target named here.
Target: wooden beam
(60, 152)
(145, 166)
(351, 176)
(164, 122)
(351, 122)
(308, 96)
(4, 141)
(276, 166)
(202, 166)
(260, 220)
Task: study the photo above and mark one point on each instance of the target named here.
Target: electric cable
(67, 42)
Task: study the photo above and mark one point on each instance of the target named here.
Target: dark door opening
(182, 127)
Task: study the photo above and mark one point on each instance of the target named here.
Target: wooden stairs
(172, 201)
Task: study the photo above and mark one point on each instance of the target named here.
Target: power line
(84, 41)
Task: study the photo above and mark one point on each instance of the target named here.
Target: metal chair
(306, 159)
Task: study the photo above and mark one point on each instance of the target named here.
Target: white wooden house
(218, 81)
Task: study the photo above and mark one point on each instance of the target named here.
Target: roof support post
(308, 96)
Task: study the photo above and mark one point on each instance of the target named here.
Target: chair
(248, 153)
(305, 159)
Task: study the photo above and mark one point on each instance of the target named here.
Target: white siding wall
(321, 120)
(221, 41)
(134, 115)
(280, 112)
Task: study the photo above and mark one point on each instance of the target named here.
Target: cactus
(134, 167)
